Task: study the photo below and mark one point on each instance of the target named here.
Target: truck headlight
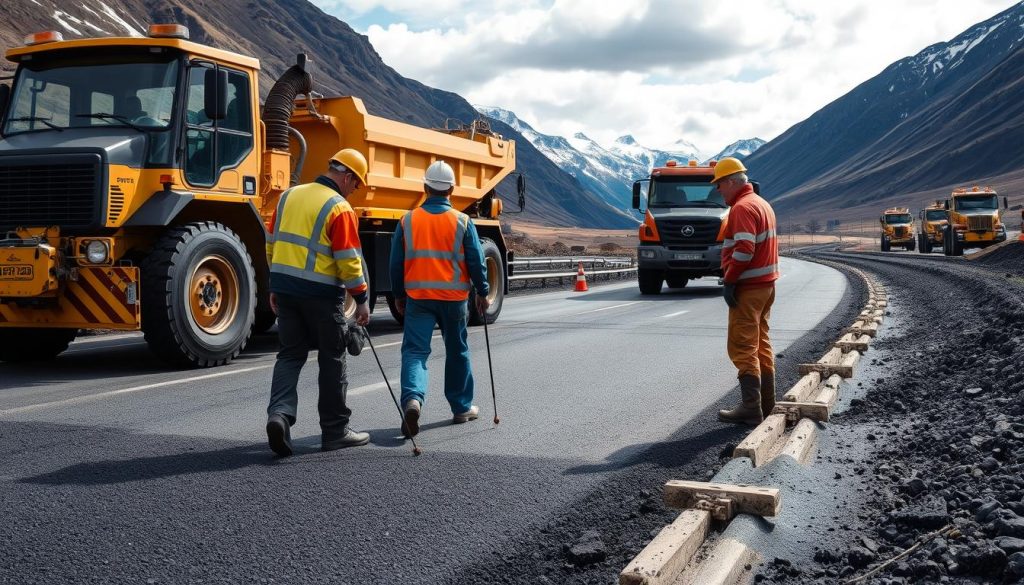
(96, 252)
(647, 254)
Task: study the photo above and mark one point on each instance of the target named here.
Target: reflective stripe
(350, 284)
(318, 227)
(280, 209)
(407, 233)
(437, 284)
(305, 274)
(438, 254)
(343, 254)
(742, 256)
(755, 272)
(744, 237)
(728, 243)
(303, 241)
(460, 231)
(764, 236)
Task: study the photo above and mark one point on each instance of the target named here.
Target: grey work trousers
(304, 324)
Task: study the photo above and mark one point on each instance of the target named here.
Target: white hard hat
(440, 176)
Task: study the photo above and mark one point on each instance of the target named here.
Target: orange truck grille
(902, 232)
(979, 223)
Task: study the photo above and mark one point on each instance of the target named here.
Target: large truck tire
(19, 344)
(886, 245)
(393, 307)
(911, 246)
(956, 248)
(495, 281)
(198, 295)
(650, 281)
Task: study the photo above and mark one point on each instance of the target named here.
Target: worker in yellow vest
(436, 260)
(314, 254)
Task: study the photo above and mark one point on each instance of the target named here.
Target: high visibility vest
(299, 245)
(750, 252)
(435, 260)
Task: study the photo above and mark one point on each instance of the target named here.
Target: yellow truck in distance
(931, 227)
(973, 220)
(897, 228)
(137, 176)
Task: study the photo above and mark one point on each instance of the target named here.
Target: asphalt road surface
(113, 469)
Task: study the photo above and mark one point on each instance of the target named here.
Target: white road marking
(676, 314)
(607, 308)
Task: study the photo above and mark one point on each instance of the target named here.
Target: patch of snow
(120, 21)
(93, 26)
(60, 18)
(891, 87)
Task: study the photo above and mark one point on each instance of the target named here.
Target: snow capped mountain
(739, 149)
(608, 172)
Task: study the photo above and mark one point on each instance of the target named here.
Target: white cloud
(658, 69)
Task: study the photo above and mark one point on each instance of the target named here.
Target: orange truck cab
(681, 235)
(974, 220)
(897, 228)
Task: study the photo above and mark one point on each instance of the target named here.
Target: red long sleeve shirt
(750, 252)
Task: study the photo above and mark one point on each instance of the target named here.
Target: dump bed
(398, 155)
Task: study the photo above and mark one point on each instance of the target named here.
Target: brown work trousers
(749, 347)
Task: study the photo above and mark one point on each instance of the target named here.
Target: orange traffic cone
(581, 279)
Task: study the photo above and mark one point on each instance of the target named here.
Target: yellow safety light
(49, 36)
(170, 31)
(671, 163)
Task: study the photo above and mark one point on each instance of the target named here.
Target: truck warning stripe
(80, 306)
(112, 288)
(90, 289)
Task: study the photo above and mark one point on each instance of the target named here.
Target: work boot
(279, 435)
(748, 411)
(411, 426)
(767, 393)
(472, 414)
(350, 438)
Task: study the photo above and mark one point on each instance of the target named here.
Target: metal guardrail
(526, 269)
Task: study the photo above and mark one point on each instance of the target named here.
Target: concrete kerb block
(760, 443)
(662, 561)
(726, 564)
(801, 442)
(803, 388)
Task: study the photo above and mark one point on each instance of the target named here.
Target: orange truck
(931, 226)
(684, 222)
(897, 229)
(973, 220)
(137, 176)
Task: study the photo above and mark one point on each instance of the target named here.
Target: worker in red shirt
(750, 265)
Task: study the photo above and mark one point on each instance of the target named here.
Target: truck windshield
(972, 202)
(684, 192)
(897, 218)
(935, 214)
(90, 90)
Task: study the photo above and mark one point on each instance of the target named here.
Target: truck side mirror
(5, 98)
(636, 194)
(1006, 201)
(757, 187)
(521, 190)
(881, 219)
(215, 94)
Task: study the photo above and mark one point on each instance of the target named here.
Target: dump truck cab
(973, 220)
(682, 232)
(931, 225)
(897, 228)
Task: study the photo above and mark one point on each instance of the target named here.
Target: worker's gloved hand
(482, 304)
(729, 292)
(355, 339)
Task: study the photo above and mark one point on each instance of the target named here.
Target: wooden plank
(801, 441)
(827, 396)
(833, 356)
(862, 328)
(826, 370)
(850, 360)
(726, 564)
(811, 410)
(760, 501)
(852, 341)
(663, 560)
(759, 443)
(803, 388)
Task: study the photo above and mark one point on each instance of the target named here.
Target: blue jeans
(420, 318)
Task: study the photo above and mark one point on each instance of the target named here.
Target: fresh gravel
(945, 428)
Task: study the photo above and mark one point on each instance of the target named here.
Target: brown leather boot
(767, 393)
(748, 411)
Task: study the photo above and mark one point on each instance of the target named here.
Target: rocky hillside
(345, 64)
(953, 113)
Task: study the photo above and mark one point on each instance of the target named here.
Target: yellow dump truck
(137, 176)
(931, 227)
(897, 228)
(973, 220)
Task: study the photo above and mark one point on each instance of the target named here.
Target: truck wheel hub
(214, 301)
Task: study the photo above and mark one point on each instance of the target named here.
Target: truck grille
(47, 190)
(979, 222)
(704, 232)
(902, 232)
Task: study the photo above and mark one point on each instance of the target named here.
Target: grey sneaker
(472, 414)
(411, 427)
(349, 439)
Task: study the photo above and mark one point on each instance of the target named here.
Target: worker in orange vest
(750, 265)
(436, 260)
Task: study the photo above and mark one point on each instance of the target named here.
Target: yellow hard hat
(728, 166)
(354, 161)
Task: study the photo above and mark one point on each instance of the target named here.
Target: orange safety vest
(435, 261)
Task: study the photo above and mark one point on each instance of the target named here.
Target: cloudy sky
(661, 70)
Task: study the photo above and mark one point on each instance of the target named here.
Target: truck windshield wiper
(119, 118)
(36, 119)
